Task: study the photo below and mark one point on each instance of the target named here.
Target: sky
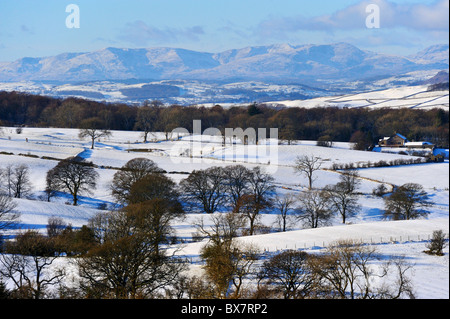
(38, 28)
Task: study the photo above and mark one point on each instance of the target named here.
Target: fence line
(372, 241)
(324, 244)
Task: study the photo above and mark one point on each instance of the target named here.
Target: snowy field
(416, 97)
(40, 148)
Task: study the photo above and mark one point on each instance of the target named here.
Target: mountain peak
(438, 53)
(281, 48)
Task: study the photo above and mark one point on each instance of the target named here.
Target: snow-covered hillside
(381, 93)
(253, 74)
(40, 148)
(413, 97)
(283, 62)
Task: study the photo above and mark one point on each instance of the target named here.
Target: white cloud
(416, 16)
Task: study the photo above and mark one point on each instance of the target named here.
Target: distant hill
(278, 63)
(444, 86)
(441, 77)
(435, 54)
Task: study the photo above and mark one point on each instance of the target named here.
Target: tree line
(362, 126)
(127, 252)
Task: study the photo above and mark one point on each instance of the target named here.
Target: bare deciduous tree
(314, 209)
(6, 176)
(227, 266)
(407, 202)
(27, 264)
(284, 204)
(224, 227)
(152, 186)
(261, 184)
(91, 128)
(55, 226)
(146, 119)
(307, 165)
(342, 195)
(347, 270)
(257, 198)
(8, 216)
(21, 184)
(206, 188)
(437, 243)
(128, 261)
(228, 263)
(50, 187)
(15, 179)
(130, 173)
(289, 272)
(236, 180)
(250, 207)
(73, 175)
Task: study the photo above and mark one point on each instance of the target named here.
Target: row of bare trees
(14, 183)
(232, 188)
(15, 180)
(347, 270)
(115, 265)
(361, 126)
(125, 266)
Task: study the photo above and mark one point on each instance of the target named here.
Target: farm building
(399, 140)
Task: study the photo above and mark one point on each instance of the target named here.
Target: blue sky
(36, 28)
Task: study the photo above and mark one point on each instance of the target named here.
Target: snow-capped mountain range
(253, 74)
(280, 62)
